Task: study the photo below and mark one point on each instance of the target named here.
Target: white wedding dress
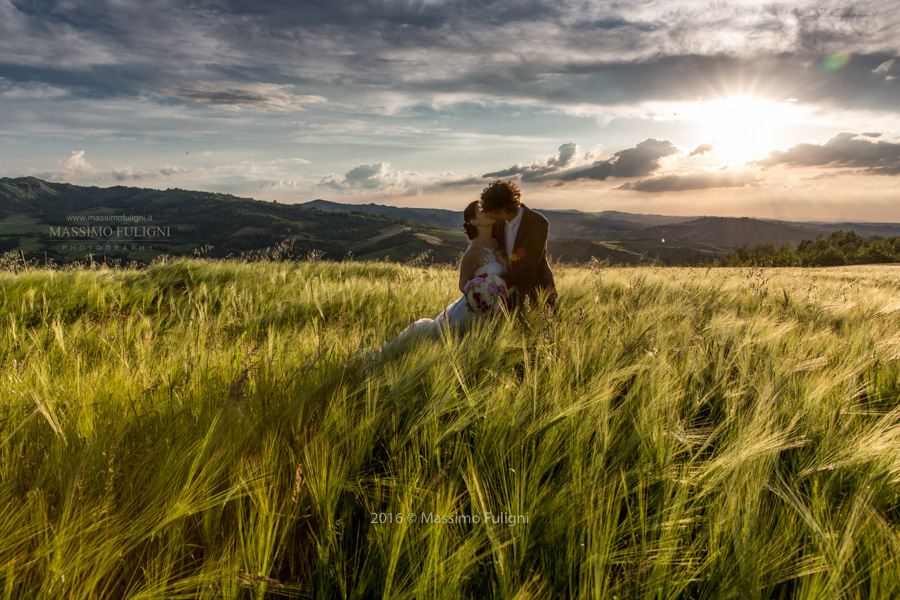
(458, 312)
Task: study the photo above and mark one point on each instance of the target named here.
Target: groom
(522, 234)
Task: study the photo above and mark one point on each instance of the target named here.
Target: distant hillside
(603, 226)
(864, 229)
(448, 219)
(610, 225)
(64, 222)
(729, 232)
(634, 252)
(67, 222)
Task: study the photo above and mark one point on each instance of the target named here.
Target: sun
(741, 127)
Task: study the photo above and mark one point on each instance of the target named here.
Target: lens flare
(835, 61)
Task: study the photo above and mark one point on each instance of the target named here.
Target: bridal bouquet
(486, 294)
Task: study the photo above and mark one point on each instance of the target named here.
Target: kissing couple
(507, 252)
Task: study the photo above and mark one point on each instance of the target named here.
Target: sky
(787, 110)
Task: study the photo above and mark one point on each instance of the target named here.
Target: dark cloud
(354, 50)
(567, 153)
(223, 98)
(418, 74)
(379, 178)
(382, 14)
(823, 27)
(702, 149)
(639, 161)
(678, 77)
(259, 96)
(541, 170)
(843, 151)
(130, 174)
(692, 181)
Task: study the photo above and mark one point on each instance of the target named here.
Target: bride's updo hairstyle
(470, 213)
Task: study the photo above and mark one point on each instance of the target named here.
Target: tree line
(835, 249)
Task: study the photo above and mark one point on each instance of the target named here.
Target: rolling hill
(61, 222)
(724, 232)
(67, 222)
(729, 232)
(602, 226)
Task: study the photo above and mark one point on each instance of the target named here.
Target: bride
(482, 256)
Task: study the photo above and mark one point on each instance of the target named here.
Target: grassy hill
(210, 429)
(720, 232)
(634, 252)
(64, 223)
(33, 212)
(729, 232)
(594, 226)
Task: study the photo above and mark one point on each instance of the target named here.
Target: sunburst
(742, 127)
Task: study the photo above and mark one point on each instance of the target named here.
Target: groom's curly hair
(500, 195)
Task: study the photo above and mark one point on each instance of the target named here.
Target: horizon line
(576, 210)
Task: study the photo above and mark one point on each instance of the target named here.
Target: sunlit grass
(212, 429)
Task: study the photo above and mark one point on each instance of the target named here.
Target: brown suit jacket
(528, 268)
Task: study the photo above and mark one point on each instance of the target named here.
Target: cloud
(377, 176)
(370, 176)
(282, 184)
(280, 174)
(702, 149)
(540, 170)
(296, 161)
(450, 180)
(380, 180)
(76, 164)
(692, 181)
(380, 51)
(427, 75)
(233, 96)
(567, 153)
(72, 168)
(887, 68)
(845, 150)
(30, 90)
(130, 174)
(639, 161)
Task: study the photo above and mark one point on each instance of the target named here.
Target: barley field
(215, 429)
